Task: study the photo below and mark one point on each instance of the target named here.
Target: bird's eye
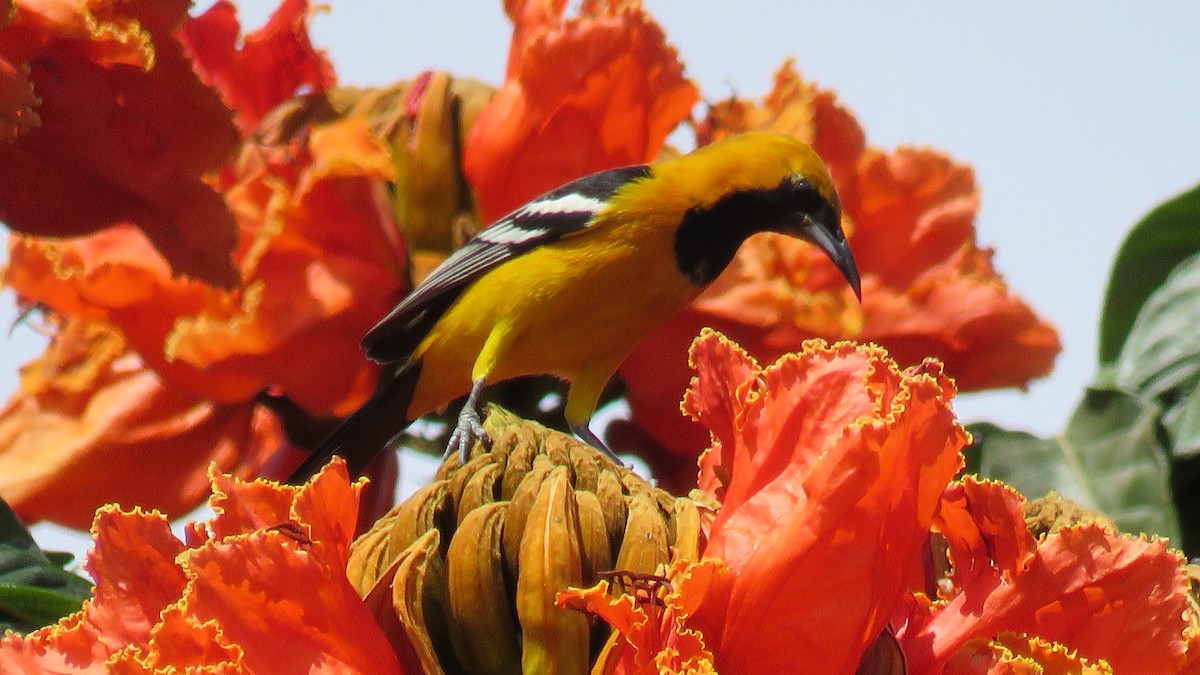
(805, 197)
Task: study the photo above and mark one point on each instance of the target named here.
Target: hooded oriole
(570, 283)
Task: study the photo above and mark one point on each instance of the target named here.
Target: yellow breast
(589, 298)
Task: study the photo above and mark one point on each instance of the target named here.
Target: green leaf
(1183, 425)
(1167, 235)
(35, 590)
(12, 530)
(1160, 359)
(1109, 459)
(30, 568)
(26, 608)
(59, 558)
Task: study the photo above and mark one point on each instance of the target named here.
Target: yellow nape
(750, 161)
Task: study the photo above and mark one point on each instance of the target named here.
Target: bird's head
(757, 182)
(813, 212)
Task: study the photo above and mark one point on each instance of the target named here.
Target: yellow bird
(569, 283)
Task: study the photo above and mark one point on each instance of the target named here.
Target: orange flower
(271, 65)
(106, 123)
(201, 357)
(90, 419)
(832, 468)
(309, 288)
(318, 260)
(652, 622)
(582, 94)
(261, 588)
(829, 465)
(1114, 600)
(928, 290)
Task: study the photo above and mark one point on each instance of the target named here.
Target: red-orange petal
(982, 521)
(129, 546)
(181, 642)
(126, 132)
(287, 596)
(1110, 597)
(654, 637)
(229, 602)
(90, 419)
(294, 591)
(932, 290)
(311, 288)
(724, 377)
(266, 67)
(582, 94)
(136, 577)
(838, 462)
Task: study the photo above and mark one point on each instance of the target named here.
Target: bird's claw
(466, 432)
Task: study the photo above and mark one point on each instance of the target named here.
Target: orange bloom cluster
(316, 260)
(927, 288)
(159, 137)
(832, 467)
(828, 472)
(260, 588)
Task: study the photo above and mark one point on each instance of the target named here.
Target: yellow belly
(566, 307)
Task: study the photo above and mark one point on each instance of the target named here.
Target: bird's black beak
(834, 244)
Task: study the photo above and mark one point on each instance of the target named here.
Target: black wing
(552, 216)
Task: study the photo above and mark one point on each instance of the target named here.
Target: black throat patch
(709, 237)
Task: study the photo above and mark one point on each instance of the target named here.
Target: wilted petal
(126, 132)
(582, 94)
(269, 65)
(1110, 597)
(534, 507)
(90, 418)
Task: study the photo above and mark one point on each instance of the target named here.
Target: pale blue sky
(1076, 121)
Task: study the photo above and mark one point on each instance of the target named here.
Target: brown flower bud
(425, 123)
(471, 563)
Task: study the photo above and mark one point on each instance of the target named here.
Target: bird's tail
(364, 434)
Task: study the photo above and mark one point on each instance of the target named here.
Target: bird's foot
(466, 432)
